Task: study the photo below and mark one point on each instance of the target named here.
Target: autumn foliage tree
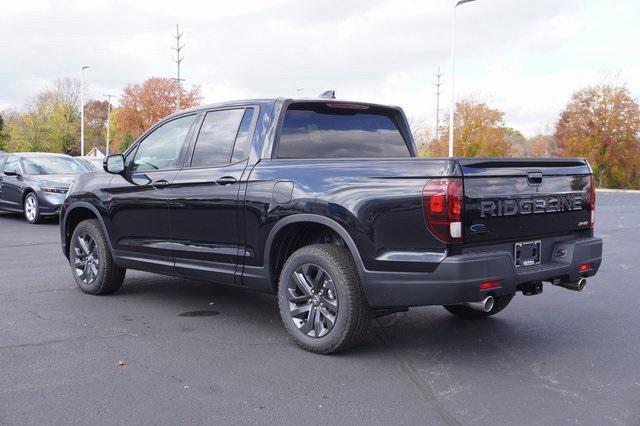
(540, 146)
(422, 136)
(95, 124)
(479, 131)
(602, 123)
(144, 104)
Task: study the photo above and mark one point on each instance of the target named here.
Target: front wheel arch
(26, 192)
(76, 214)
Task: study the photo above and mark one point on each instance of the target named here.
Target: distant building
(95, 152)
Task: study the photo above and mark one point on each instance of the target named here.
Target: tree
(422, 136)
(32, 126)
(602, 123)
(3, 135)
(144, 104)
(50, 121)
(11, 121)
(95, 122)
(65, 120)
(479, 131)
(540, 146)
(126, 142)
(516, 141)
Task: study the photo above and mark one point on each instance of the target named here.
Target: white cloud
(525, 57)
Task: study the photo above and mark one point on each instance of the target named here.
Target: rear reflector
(442, 202)
(455, 229)
(585, 267)
(488, 285)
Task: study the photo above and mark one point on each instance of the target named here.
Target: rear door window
(216, 138)
(318, 131)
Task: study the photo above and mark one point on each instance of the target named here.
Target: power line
(438, 83)
(178, 60)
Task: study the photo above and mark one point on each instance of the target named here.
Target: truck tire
(321, 301)
(91, 262)
(463, 311)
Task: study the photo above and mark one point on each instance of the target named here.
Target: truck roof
(271, 101)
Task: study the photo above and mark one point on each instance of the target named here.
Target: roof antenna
(329, 94)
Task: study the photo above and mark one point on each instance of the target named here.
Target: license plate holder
(527, 253)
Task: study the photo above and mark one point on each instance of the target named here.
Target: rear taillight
(442, 201)
(592, 200)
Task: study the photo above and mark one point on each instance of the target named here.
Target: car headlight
(55, 190)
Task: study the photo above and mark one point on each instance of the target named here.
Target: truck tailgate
(519, 199)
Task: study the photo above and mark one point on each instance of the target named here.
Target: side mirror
(11, 173)
(114, 164)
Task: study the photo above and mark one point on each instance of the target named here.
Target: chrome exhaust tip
(484, 305)
(575, 285)
(582, 283)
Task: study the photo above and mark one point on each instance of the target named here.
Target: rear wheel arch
(300, 230)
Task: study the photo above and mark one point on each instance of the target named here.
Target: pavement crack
(71, 339)
(423, 387)
(29, 245)
(37, 315)
(43, 343)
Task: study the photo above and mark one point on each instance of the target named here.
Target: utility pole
(84, 67)
(108, 120)
(438, 92)
(178, 60)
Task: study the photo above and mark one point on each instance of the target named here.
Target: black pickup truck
(325, 203)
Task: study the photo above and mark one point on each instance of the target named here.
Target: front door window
(161, 149)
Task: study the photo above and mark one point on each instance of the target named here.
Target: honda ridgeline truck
(326, 203)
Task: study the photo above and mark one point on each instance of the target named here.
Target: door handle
(159, 184)
(226, 180)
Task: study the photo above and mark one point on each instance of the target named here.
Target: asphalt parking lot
(195, 352)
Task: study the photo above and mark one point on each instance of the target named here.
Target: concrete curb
(632, 191)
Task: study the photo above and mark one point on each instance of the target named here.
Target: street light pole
(452, 106)
(108, 120)
(84, 67)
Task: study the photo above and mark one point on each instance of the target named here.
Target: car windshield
(52, 166)
(91, 164)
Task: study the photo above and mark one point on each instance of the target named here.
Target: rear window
(320, 131)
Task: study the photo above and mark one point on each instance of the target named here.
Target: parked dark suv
(325, 203)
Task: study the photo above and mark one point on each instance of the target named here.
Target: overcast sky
(524, 57)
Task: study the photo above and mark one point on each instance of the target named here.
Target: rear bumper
(457, 278)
